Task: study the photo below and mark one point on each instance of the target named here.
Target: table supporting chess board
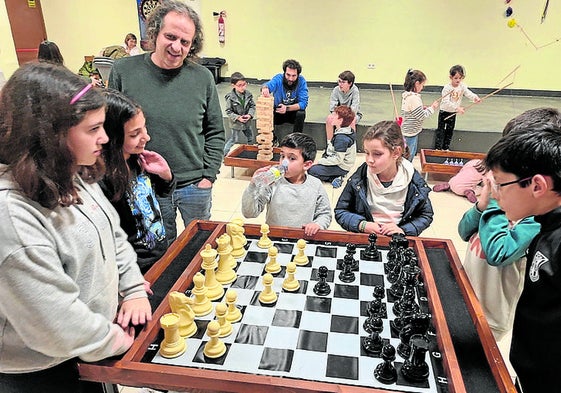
(471, 358)
(245, 156)
(445, 161)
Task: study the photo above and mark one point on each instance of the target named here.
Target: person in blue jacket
(386, 194)
(290, 91)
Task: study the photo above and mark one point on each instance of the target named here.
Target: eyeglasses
(241, 84)
(497, 186)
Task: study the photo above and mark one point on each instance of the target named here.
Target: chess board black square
(252, 334)
(287, 318)
(326, 252)
(284, 248)
(318, 304)
(346, 291)
(342, 367)
(312, 341)
(371, 279)
(275, 359)
(344, 324)
(245, 282)
(201, 358)
(256, 256)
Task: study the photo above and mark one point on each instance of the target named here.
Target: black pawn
(322, 288)
(373, 343)
(371, 252)
(386, 372)
(347, 274)
(351, 251)
(416, 369)
(373, 323)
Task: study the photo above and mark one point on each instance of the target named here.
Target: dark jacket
(352, 206)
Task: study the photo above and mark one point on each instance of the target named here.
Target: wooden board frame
(235, 158)
(432, 167)
(131, 371)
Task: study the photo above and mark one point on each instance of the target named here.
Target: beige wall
(328, 36)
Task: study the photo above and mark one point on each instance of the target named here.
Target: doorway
(28, 27)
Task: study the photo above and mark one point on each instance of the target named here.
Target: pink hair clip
(80, 93)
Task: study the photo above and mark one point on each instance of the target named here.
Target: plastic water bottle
(272, 175)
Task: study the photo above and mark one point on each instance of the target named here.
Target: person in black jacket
(386, 195)
(133, 178)
(526, 167)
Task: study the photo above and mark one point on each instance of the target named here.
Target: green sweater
(182, 111)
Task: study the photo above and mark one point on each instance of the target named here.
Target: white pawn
(264, 241)
(234, 314)
(273, 266)
(201, 305)
(290, 283)
(214, 288)
(214, 348)
(301, 258)
(225, 274)
(180, 304)
(267, 295)
(225, 326)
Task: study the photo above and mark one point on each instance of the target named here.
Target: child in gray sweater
(296, 199)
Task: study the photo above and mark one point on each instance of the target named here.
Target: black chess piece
(379, 292)
(373, 343)
(350, 254)
(415, 368)
(322, 288)
(347, 275)
(373, 323)
(371, 252)
(419, 324)
(385, 372)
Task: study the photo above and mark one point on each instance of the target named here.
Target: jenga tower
(264, 115)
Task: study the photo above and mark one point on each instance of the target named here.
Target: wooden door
(28, 27)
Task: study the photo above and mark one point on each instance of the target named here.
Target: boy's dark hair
(457, 69)
(291, 63)
(532, 151)
(236, 77)
(345, 113)
(302, 142)
(347, 76)
(155, 22)
(411, 77)
(531, 118)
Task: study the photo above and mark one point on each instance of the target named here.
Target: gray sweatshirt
(290, 205)
(61, 273)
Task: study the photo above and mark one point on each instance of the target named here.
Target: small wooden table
(245, 156)
(438, 161)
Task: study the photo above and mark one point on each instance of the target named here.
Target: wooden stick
(528, 37)
(484, 98)
(509, 74)
(445, 95)
(393, 99)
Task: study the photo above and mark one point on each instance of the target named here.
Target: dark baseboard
(470, 141)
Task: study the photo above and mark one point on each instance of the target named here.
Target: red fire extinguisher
(221, 27)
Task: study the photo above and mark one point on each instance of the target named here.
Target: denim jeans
(411, 142)
(193, 203)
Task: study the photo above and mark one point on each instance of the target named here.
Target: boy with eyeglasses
(240, 109)
(526, 168)
(495, 258)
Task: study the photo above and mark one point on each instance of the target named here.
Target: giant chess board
(305, 342)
